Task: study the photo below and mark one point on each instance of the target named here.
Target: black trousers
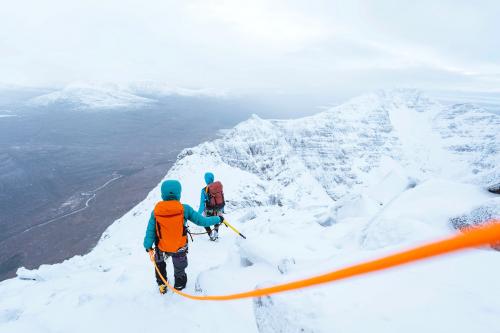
(180, 262)
(216, 227)
(209, 231)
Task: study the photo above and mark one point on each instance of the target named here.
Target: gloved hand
(221, 219)
(151, 253)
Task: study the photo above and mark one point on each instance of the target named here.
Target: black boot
(180, 282)
(209, 232)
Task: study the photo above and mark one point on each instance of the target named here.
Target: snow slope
(380, 173)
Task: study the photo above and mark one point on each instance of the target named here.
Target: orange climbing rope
(478, 236)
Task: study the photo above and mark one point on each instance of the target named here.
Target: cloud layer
(253, 46)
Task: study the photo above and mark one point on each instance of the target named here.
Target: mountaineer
(167, 230)
(212, 203)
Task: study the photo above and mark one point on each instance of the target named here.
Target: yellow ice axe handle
(234, 229)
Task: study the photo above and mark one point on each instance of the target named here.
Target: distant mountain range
(112, 96)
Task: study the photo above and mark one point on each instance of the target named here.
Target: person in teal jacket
(213, 234)
(171, 190)
(209, 179)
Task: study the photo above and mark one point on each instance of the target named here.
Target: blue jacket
(171, 190)
(209, 179)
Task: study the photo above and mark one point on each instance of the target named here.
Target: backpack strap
(157, 229)
(207, 195)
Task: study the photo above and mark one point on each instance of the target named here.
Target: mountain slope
(377, 174)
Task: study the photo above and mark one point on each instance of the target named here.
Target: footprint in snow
(10, 315)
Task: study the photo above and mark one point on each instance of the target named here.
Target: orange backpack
(170, 229)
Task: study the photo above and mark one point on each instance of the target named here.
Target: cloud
(252, 46)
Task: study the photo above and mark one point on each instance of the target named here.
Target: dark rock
(494, 188)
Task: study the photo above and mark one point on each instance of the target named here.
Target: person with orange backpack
(167, 230)
(212, 203)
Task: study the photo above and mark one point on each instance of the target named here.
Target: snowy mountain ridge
(99, 96)
(87, 96)
(377, 174)
(342, 145)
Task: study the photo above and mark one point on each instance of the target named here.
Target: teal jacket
(209, 179)
(171, 190)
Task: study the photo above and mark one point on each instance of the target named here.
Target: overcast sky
(254, 46)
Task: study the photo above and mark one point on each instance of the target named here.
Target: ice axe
(233, 228)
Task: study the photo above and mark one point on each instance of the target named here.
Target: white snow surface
(381, 173)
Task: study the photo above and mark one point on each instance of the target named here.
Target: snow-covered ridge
(83, 95)
(379, 173)
(341, 146)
